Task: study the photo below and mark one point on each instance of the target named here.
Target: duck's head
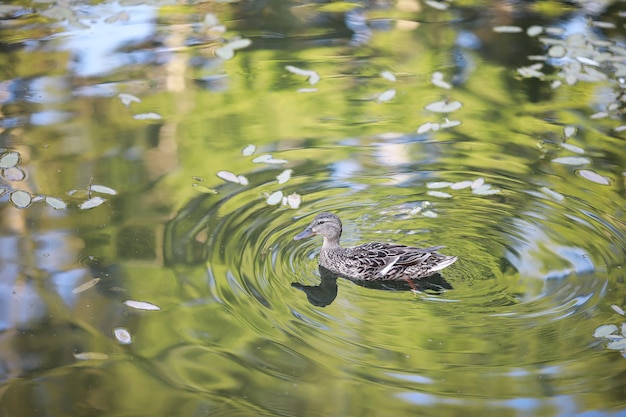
(324, 224)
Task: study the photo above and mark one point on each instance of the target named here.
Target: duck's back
(384, 261)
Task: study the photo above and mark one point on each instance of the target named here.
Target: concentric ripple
(534, 262)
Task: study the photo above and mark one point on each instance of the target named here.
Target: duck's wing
(385, 260)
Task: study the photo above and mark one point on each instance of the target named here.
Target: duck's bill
(307, 233)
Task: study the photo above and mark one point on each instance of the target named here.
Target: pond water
(157, 159)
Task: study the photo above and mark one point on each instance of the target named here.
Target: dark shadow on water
(325, 293)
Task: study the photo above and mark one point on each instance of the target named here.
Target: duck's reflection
(325, 293)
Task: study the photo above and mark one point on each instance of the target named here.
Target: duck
(373, 261)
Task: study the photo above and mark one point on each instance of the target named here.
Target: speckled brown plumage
(374, 260)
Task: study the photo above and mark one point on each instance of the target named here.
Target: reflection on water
(325, 293)
(182, 293)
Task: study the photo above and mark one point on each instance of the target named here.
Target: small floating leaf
(485, 190)
(85, 286)
(204, 189)
(262, 158)
(587, 61)
(312, 76)
(478, 182)
(507, 29)
(461, 185)
(20, 199)
(127, 99)
(386, 96)
(617, 309)
(438, 184)
(439, 194)
(557, 51)
(91, 203)
(553, 194)
(239, 43)
(122, 335)
(147, 116)
(388, 75)
(423, 128)
(444, 106)
(617, 344)
(275, 198)
(571, 160)
(294, 201)
(438, 5)
(102, 189)
(56, 203)
(594, 177)
(450, 123)
(248, 150)
(85, 356)
(228, 176)
(430, 213)
(604, 330)
(437, 79)
(9, 160)
(569, 131)
(284, 176)
(141, 305)
(572, 148)
(534, 30)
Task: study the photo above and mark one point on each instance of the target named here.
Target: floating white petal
(312, 76)
(102, 189)
(243, 180)
(262, 158)
(439, 194)
(507, 29)
(248, 150)
(294, 200)
(56, 203)
(437, 79)
(553, 194)
(593, 177)
(534, 30)
(85, 356)
(572, 148)
(284, 176)
(228, 176)
(122, 336)
(275, 198)
(91, 203)
(127, 99)
(141, 305)
(569, 131)
(605, 330)
(461, 185)
(478, 182)
(587, 61)
(147, 116)
(388, 75)
(438, 5)
(617, 309)
(571, 160)
(240, 43)
(444, 106)
(438, 184)
(386, 96)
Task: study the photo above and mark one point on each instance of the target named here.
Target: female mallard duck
(375, 260)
